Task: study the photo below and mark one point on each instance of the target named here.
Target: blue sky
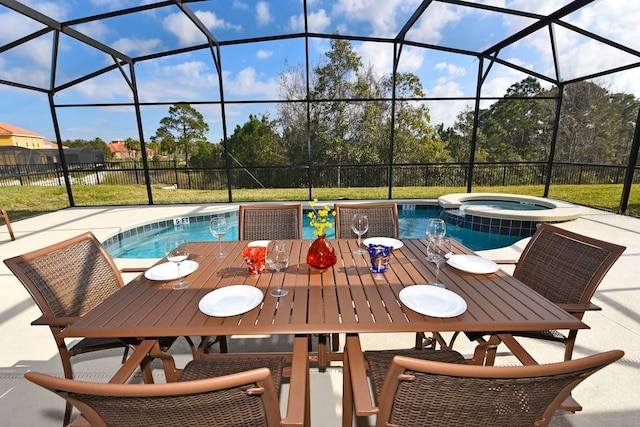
(252, 72)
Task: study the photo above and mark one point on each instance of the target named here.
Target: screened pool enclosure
(303, 95)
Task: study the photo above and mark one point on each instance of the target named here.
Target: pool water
(413, 224)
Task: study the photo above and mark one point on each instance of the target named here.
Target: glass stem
(179, 274)
(359, 237)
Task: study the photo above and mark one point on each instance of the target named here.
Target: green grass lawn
(24, 202)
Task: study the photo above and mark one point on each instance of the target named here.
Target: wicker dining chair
(270, 222)
(66, 280)
(564, 267)
(383, 219)
(440, 389)
(208, 392)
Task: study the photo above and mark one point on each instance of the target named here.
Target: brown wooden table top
(345, 298)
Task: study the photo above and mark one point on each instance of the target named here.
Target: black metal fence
(334, 176)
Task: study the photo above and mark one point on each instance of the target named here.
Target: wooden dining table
(347, 298)
(344, 298)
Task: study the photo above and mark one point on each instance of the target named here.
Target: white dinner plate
(230, 300)
(169, 270)
(384, 241)
(433, 301)
(264, 243)
(473, 264)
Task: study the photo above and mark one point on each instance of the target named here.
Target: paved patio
(609, 397)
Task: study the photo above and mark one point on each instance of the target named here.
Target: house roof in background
(7, 129)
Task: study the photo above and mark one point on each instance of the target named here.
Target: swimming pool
(148, 241)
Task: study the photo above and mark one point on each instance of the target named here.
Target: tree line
(351, 119)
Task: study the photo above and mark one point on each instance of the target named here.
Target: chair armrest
(54, 321)
(579, 308)
(80, 421)
(362, 399)
(298, 410)
(506, 261)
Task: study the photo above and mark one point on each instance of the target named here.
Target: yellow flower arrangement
(320, 218)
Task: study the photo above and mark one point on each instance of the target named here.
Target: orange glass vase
(321, 254)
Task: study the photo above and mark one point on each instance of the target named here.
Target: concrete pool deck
(609, 397)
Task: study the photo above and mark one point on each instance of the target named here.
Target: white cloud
(445, 111)
(55, 9)
(94, 29)
(318, 22)
(188, 34)
(430, 26)
(237, 4)
(263, 14)
(28, 76)
(264, 54)
(380, 56)
(451, 69)
(381, 15)
(137, 47)
(247, 82)
(108, 87)
(15, 26)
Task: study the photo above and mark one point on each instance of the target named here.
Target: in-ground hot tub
(510, 214)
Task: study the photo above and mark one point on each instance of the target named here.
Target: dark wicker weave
(196, 400)
(566, 268)
(270, 222)
(67, 280)
(383, 219)
(416, 388)
(379, 362)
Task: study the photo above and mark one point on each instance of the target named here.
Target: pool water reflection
(412, 225)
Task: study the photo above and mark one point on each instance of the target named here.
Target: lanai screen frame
(486, 59)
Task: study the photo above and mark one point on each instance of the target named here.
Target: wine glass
(218, 227)
(360, 225)
(177, 250)
(278, 259)
(440, 250)
(436, 230)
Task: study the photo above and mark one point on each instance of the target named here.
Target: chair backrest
(563, 266)
(270, 222)
(69, 278)
(383, 219)
(425, 393)
(244, 399)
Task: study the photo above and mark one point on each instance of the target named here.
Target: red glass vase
(321, 254)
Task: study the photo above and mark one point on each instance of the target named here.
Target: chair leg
(322, 352)
(7, 222)
(422, 341)
(335, 342)
(206, 343)
(569, 343)
(65, 357)
(485, 352)
(168, 365)
(125, 354)
(192, 347)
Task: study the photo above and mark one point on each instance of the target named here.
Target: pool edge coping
(558, 210)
